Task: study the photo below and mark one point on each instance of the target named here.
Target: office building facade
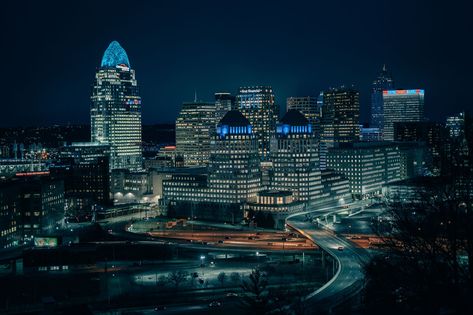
(367, 165)
(294, 154)
(401, 106)
(383, 82)
(194, 126)
(307, 105)
(115, 112)
(258, 106)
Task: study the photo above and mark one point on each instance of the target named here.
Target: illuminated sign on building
(404, 92)
(32, 173)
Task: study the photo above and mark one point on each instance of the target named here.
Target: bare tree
(255, 294)
(177, 278)
(235, 277)
(221, 278)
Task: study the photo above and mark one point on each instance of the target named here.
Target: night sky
(50, 51)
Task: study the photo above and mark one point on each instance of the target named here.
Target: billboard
(40, 241)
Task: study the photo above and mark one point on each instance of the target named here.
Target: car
(215, 304)
(220, 241)
(159, 308)
(232, 294)
(340, 248)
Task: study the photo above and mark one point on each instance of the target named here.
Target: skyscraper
(224, 102)
(257, 105)
(383, 82)
(295, 158)
(307, 105)
(340, 119)
(401, 106)
(194, 130)
(233, 176)
(115, 113)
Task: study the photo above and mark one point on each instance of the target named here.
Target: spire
(384, 67)
(195, 96)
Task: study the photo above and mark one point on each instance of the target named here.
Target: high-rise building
(257, 105)
(341, 115)
(455, 125)
(194, 128)
(340, 120)
(401, 106)
(307, 105)
(294, 154)
(224, 102)
(233, 177)
(115, 112)
(383, 82)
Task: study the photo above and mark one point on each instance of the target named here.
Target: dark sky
(50, 51)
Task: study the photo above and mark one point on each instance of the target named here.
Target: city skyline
(171, 64)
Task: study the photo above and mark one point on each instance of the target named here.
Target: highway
(348, 279)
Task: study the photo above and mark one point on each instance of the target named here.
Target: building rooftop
(294, 118)
(235, 119)
(115, 55)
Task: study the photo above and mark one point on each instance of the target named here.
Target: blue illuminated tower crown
(293, 122)
(233, 123)
(114, 55)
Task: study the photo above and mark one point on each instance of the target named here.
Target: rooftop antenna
(384, 67)
(195, 96)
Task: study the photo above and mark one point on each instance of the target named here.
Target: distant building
(340, 120)
(233, 176)
(35, 201)
(455, 125)
(276, 204)
(382, 83)
(307, 105)
(257, 105)
(335, 188)
(194, 127)
(294, 154)
(115, 113)
(9, 214)
(401, 106)
(84, 168)
(224, 102)
(367, 165)
(433, 135)
(165, 158)
(132, 187)
(370, 134)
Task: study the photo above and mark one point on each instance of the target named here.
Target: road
(348, 279)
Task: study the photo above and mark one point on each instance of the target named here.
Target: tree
(235, 277)
(255, 295)
(427, 264)
(221, 278)
(177, 278)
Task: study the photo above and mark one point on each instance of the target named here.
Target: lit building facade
(224, 102)
(295, 158)
(367, 165)
(307, 105)
(340, 120)
(115, 112)
(383, 82)
(455, 125)
(233, 176)
(401, 106)
(84, 168)
(194, 127)
(257, 105)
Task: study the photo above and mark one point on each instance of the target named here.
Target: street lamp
(202, 258)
